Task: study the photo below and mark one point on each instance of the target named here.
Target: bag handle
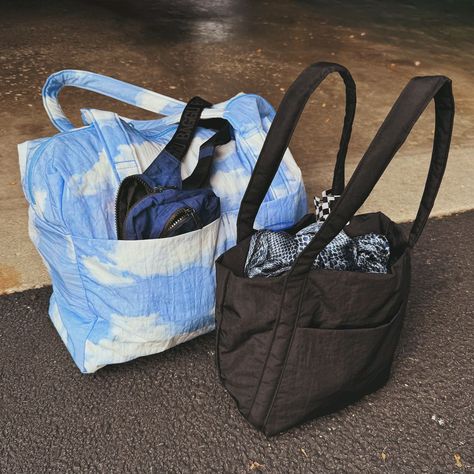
(392, 134)
(199, 178)
(280, 134)
(108, 86)
(165, 168)
(188, 123)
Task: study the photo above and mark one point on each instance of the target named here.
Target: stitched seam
(277, 323)
(86, 298)
(107, 150)
(288, 350)
(218, 328)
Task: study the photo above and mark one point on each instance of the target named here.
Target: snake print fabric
(272, 253)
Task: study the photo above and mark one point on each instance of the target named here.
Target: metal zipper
(178, 218)
(149, 190)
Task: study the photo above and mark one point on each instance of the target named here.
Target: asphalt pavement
(168, 413)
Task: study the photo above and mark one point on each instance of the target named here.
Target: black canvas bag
(310, 341)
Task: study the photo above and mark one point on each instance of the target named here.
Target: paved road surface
(168, 414)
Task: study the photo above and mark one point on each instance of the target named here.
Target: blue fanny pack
(158, 203)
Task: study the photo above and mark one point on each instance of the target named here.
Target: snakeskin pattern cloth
(273, 253)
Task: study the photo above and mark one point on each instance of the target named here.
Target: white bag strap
(123, 91)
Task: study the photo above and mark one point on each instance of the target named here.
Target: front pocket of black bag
(353, 300)
(246, 316)
(327, 369)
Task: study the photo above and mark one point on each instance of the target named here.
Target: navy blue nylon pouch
(158, 203)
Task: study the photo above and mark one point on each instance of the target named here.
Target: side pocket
(330, 368)
(244, 334)
(149, 295)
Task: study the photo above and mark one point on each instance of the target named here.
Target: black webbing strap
(280, 134)
(182, 138)
(392, 134)
(199, 178)
(164, 169)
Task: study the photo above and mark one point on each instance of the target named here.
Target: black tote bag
(310, 341)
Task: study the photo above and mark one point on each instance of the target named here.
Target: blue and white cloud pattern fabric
(116, 300)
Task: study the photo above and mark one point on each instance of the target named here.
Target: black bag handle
(199, 178)
(182, 138)
(279, 137)
(392, 134)
(180, 142)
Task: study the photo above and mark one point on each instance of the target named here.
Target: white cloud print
(93, 181)
(144, 152)
(153, 257)
(52, 105)
(230, 184)
(131, 337)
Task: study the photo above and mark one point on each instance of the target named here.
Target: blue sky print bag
(114, 300)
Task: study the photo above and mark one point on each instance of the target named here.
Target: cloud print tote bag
(114, 300)
(310, 341)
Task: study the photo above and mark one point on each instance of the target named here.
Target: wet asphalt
(168, 413)
(218, 48)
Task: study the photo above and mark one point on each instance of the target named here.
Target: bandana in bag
(273, 253)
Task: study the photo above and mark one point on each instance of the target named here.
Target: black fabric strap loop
(199, 178)
(181, 140)
(392, 134)
(280, 134)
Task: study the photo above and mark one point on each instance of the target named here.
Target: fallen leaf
(256, 466)
(457, 460)
(383, 456)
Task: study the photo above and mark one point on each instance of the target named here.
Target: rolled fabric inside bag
(273, 253)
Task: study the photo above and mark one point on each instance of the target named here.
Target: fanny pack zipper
(177, 218)
(149, 189)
